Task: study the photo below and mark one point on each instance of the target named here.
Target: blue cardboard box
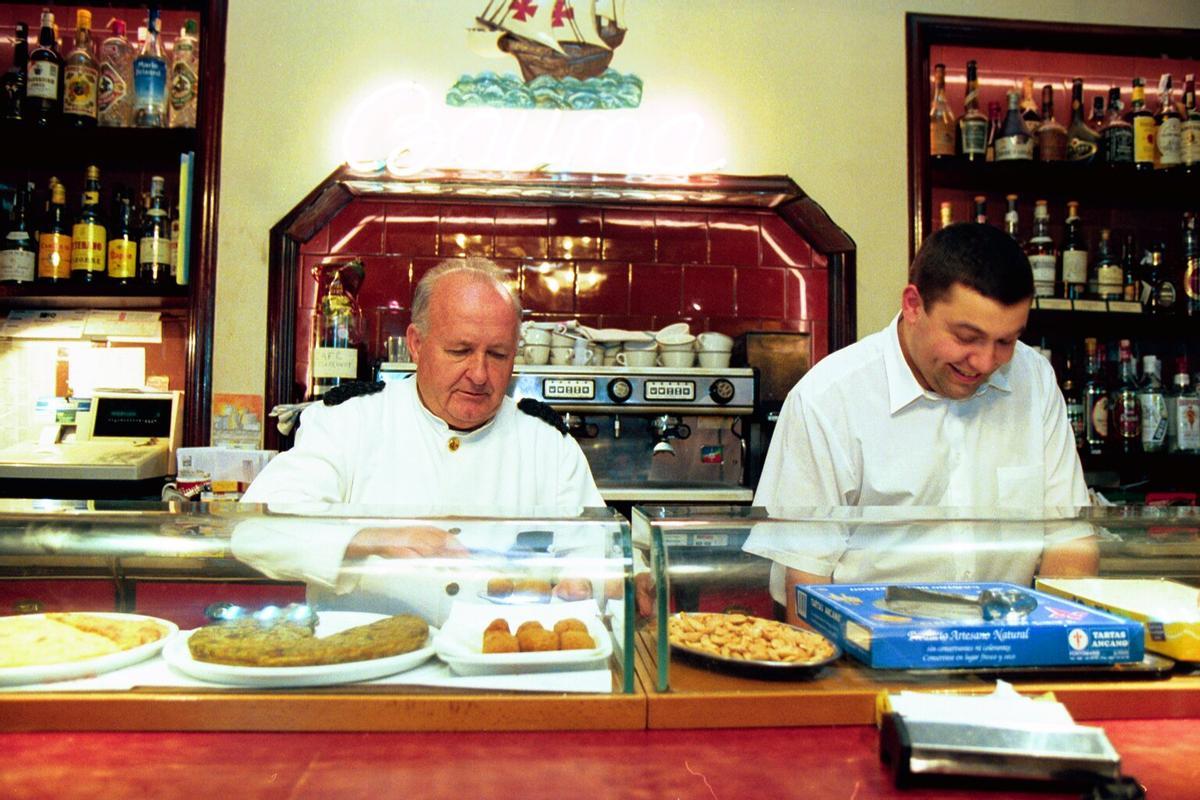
(890, 635)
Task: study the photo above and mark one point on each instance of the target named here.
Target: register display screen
(142, 417)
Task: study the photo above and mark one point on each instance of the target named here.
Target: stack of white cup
(536, 349)
(676, 349)
(715, 349)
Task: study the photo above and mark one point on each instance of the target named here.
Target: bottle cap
(117, 26)
(83, 19)
(190, 26)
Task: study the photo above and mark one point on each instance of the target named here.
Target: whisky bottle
(1131, 275)
(43, 78)
(973, 127)
(1051, 135)
(1040, 250)
(1152, 406)
(1162, 293)
(1074, 256)
(18, 254)
(122, 241)
(184, 83)
(1126, 408)
(150, 79)
(947, 214)
(114, 104)
(1013, 141)
(1011, 220)
(1143, 129)
(1116, 137)
(1168, 125)
(13, 94)
(154, 247)
(1189, 130)
(1095, 400)
(1029, 109)
(1109, 275)
(1074, 400)
(1082, 142)
(1183, 412)
(1191, 265)
(993, 129)
(1096, 120)
(54, 239)
(81, 75)
(334, 357)
(942, 130)
(981, 209)
(89, 238)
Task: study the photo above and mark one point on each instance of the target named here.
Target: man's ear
(413, 338)
(911, 304)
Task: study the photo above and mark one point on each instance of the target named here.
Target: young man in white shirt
(943, 407)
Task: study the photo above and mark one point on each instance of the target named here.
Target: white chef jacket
(859, 430)
(387, 449)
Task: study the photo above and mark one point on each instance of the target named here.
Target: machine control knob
(721, 391)
(620, 390)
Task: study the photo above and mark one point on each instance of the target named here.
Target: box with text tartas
(965, 625)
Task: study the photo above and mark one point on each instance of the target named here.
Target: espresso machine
(651, 435)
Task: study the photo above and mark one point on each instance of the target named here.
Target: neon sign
(406, 129)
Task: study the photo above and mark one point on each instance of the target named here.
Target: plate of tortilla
(344, 647)
(38, 648)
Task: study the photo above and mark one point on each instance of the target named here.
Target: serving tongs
(297, 613)
(992, 605)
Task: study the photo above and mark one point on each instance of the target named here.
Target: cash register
(124, 436)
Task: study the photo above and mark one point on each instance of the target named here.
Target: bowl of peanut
(750, 645)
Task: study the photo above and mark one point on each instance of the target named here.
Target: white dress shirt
(859, 430)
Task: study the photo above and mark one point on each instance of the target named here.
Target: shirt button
(453, 444)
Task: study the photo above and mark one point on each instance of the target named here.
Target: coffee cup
(561, 356)
(714, 342)
(677, 359)
(610, 353)
(536, 353)
(559, 339)
(636, 358)
(536, 336)
(714, 359)
(583, 353)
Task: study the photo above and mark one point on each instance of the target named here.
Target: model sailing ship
(565, 38)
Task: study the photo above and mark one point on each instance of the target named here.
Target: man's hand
(413, 542)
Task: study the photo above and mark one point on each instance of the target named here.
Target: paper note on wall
(124, 326)
(106, 368)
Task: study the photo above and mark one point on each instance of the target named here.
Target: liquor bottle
(993, 129)
(122, 241)
(89, 238)
(43, 78)
(1012, 221)
(334, 357)
(981, 209)
(184, 81)
(1189, 131)
(1074, 400)
(1143, 129)
(154, 247)
(947, 214)
(1013, 141)
(1074, 256)
(942, 130)
(1051, 135)
(1183, 413)
(54, 239)
(18, 255)
(1109, 275)
(1168, 125)
(1158, 280)
(973, 127)
(1191, 265)
(81, 75)
(1029, 109)
(150, 79)
(13, 96)
(1152, 405)
(1131, 286)
(1095, 400)
(114, 107)
(1041, 252)
(1096, 120)
(1082, 142)
(1126, 409)
(1116, 137)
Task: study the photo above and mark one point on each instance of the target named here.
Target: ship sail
(529, 19)
(570, 27)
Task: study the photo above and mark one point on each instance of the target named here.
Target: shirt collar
(440, 426)
(903, 387)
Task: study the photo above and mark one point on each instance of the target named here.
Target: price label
(335, 362)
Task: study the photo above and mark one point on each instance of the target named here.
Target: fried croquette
(498, 624)
(247, 643)
(500, 587)
(532, 588)
(576, 640)
(500, 642)
(569, 624)
(531, 624)
(537, 640)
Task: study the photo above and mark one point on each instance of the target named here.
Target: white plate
(460, 641)
(88, 667)
(329, 622)
(515, 599)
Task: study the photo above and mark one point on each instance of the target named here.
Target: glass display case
(154, 600)
(803, 616)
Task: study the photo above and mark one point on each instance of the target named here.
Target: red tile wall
(640, 268)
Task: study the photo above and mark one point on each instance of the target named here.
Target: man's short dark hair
(980, 257)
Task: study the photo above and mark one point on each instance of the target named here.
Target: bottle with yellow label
(89, 239)
(122, 241)
(54, 239)
(1143, 129)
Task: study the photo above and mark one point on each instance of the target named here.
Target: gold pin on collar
(453, 444)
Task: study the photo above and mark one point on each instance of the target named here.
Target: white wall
(812, 89)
